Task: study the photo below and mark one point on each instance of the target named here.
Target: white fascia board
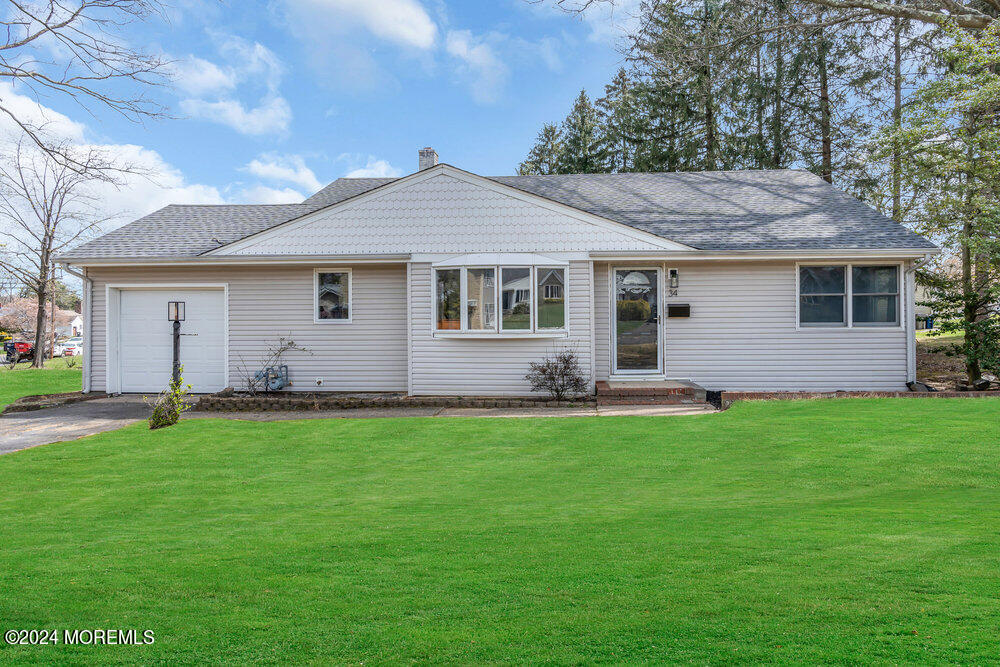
(461, 175)
(700, 255)
(205, 260)
(504, 258)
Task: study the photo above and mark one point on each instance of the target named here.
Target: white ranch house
(445, 282)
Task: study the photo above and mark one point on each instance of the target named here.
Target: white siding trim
(911, 325)
(409, 328)
(592, 285)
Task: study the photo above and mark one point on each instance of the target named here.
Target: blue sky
(273, 98)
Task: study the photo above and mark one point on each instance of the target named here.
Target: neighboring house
(19, 315)
(446, 282)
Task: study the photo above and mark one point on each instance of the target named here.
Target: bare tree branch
(47, 204)
(88, 61)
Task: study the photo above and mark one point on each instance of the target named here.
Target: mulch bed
(42, 401)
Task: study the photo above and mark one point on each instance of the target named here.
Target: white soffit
(501, 258)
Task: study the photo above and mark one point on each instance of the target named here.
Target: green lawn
(812, 531)
(24, 380)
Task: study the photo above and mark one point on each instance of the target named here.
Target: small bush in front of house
(522, 308)
(634, 310)
(170, 404)
(560, 375)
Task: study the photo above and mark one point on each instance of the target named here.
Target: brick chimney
(427, 158)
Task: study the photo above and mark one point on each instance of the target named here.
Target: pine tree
(620, 116)
(951, 135)
(547, 153)
(584, 146)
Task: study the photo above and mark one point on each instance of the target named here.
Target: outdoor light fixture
(175, 311)
(673, 278)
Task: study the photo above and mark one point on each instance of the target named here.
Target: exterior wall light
(175, 311)
(673, 278)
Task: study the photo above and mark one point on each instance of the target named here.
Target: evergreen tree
(547, 153)
(583, 151)
(951, 136)
(621, 125)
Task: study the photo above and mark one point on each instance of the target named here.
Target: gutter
(699, 255)
(88, 320)
(204, 260)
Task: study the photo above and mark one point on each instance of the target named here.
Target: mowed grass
(811, 531)
(24, 380)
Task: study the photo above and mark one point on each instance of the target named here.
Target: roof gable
(445, 210)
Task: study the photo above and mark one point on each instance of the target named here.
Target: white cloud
(373, 167)
(261, 194)
(28, 111)
(404, 22)
(272, 116)
(196, 76)
(213, 88)
(486, 73)
(284, 168)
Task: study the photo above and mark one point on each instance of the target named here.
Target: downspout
(88, 321)
(910, 324)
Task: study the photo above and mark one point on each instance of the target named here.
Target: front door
(637, 322)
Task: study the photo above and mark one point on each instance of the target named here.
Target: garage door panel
(146, 339)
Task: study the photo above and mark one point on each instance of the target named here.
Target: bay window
(513, 300)
(448, 296)
(848, 295)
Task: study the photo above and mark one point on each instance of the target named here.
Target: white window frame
(498, 331)
(350, 296)
(538, 296)
(849, 296)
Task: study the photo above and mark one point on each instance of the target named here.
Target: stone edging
(730, 397)
(42, 401)
(290, 402)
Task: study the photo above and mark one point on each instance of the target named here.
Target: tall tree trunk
(760, 155)
(777, 155)
(971, 306)
(711, 135)
(825, 124)
(41, 294)
(897, 119)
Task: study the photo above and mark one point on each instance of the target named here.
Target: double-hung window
(846, 295)
(500, 299)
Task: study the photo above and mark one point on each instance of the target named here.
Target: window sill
(891, 327)
(505, 334)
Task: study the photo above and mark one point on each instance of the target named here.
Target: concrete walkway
(68, 422)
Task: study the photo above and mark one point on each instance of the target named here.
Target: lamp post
(175, 314)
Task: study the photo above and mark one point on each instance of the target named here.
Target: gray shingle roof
(737, 210)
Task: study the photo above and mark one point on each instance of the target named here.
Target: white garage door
(146, 339)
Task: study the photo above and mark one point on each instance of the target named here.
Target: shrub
(559, 374)
(634, 310)
(170, 404)
(521, 308)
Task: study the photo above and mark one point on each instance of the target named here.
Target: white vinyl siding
(742, 335)
(266, 302)
(489, 366)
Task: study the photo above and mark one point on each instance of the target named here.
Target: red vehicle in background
(18, 351)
